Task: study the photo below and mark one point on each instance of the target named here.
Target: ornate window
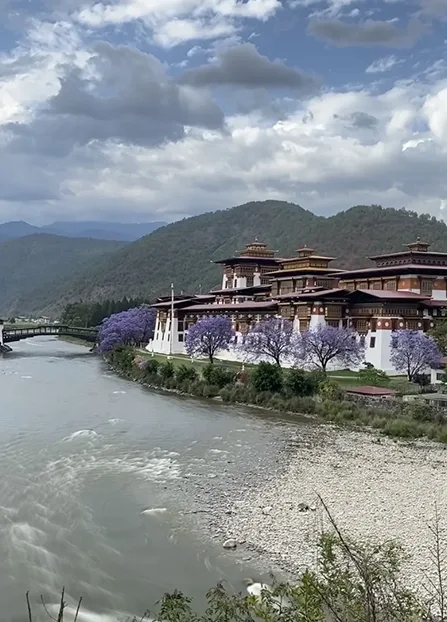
(391, 285)
(426, 286)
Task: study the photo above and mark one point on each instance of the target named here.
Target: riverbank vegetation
(351, 581)
(289, 391)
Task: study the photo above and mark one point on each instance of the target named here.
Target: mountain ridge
(43, 262)
(182, 252)
(95, 229)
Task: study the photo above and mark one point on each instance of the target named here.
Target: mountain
(44, 263)
(98, 230)
(125, 232)
(182, 252)
(16, 229)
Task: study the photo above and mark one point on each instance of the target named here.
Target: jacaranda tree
(128, 328)
(269, 340)
(324, 344)
(413, 352)
(208, 336)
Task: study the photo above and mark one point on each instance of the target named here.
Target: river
(96, 477)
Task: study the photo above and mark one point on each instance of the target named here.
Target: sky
(139, 110)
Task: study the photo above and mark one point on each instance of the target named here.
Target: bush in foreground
(267, 377)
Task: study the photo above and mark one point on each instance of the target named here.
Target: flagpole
(172, 320)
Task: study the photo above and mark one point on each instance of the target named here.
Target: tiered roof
(306, 261)
(254, 253)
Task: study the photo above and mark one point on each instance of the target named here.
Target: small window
(372, 342)
(180, 337)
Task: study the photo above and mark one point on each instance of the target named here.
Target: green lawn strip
(180, 359)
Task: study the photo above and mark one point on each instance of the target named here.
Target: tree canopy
(324, 344)
(412, 352)
(128, 328)
(208, 336)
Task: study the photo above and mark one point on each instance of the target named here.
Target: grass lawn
(181, 359)
(343, 373)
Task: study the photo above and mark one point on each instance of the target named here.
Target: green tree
(439, 334)
(267, 377)
(298, 382)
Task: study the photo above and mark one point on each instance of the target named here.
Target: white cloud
(435, 108)
(383, 64)
(328, 153)
(177, 21)
(315, 157)
(178, 31)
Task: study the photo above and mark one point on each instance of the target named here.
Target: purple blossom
(413, 352)
(129, 328)
(270, 339)
(208, 336)
(324, 344)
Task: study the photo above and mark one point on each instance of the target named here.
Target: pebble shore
(374, 488)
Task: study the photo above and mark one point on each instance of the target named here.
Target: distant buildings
(404, 289)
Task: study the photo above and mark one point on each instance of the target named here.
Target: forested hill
(182, 252)
(43, 263)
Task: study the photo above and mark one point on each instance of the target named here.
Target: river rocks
(230, 544)
(381, 491)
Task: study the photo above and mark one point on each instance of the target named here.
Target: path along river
(92, 484)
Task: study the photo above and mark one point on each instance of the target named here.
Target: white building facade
(403, 290)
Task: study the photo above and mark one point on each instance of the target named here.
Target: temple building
(406, 289)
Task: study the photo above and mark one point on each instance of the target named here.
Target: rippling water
(92, 474)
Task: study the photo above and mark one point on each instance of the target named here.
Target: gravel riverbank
(373, 487)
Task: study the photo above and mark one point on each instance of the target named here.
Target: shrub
(420, 412)
(298, 382)
(151, 366)
(263, 398)
(267, 377)
(374, 377)
(301, 405)
(166, 370)
(169, 383)
(209, 390)
(423, 380)
(276, 402)
(185, 373)
(226, 394)
(317, 377)
(331, 390)
(122, 358)
(405, 428)
(218, 376)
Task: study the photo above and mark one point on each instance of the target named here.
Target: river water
(96, 477)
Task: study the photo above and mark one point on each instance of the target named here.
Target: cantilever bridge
(9, 334)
